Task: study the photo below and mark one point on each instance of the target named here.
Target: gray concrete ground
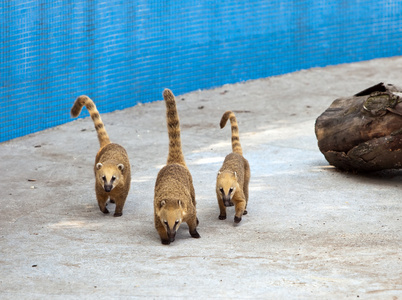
(311, 231)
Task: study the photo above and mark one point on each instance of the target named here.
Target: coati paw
(195, 234)
(165, 242)
(245, 212)
(221, 217)
(117, 214)
(105, 211)
(237, 219)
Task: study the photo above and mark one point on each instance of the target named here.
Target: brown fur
(112, 167)
(234, 176)
(174, 198)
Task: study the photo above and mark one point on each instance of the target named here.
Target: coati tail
(93, 112)
(236, 147)
(173, 126)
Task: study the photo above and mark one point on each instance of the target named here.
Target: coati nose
(108, 187)
(171, 235)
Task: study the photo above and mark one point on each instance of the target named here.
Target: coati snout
(226, 200)
(109, 175)
(171, 232)
(227, 187)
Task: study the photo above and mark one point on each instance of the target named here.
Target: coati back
(174, 195)
(112, 167)
(234, 176)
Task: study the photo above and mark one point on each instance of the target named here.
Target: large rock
(363, 132)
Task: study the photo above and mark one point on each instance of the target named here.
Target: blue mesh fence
(123, 52)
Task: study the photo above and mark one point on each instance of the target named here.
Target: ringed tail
(173, 126)
(236, 147)
(95, 116)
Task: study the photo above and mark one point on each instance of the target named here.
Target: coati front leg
(118, 211)
(245, 190)
(222, 209)
(240, 203)
(240, 210)
(119, 201)
(245, 185)
(192, 225)
(102, 199)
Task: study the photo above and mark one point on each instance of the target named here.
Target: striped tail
(93, 112)
(236, 147)
(173, 126)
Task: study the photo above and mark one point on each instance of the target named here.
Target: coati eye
(221, 189)
(113, 178)
(166, 223)
(230, 190)
(104, 178)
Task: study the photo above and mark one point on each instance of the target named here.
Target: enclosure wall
(124, 52)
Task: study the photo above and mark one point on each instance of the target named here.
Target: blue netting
(123, 52)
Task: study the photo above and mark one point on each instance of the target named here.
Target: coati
(112, 167)
(174, 197)
(234, 176)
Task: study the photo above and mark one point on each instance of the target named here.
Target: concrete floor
(311, 232)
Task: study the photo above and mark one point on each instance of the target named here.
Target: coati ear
(163, 202)
(219, 173)
(98, 166)
(235, 174)
(183, 210)
(120, 167)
